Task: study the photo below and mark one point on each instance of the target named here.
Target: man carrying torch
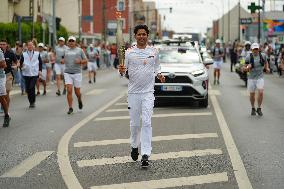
(142, 65)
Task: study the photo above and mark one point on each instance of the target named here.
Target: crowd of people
(30, 65)
(253, 60)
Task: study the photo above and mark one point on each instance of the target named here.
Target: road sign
(252, 7)
(245, 20)
(27, 18)
(88, 18)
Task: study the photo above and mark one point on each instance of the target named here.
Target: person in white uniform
(142, 65)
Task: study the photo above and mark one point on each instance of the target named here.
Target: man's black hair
(4, 40)
(138, 27)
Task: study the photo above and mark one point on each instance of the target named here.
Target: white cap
(255, 46)
(71, 38)
(61, 39)
(40, 45)
(218, 41)
(91, 45)
(247, 43)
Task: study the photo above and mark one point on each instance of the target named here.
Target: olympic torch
(120, 42)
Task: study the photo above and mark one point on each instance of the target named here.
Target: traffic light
(57, 20)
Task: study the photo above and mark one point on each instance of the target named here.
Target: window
(120, 5)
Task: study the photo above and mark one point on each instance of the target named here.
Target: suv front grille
(177, 79)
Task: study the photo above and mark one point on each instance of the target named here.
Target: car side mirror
(208, 61)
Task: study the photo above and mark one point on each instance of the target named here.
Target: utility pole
(263, 17)
(229, 21)
(147, 13)
(54, 24)
(239, 29)
(259, 32)
(80, 19)
(31, 11)
(223, 22)
(104, 21)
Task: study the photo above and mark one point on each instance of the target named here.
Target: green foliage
(9, 31)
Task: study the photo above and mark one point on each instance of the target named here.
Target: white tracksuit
(142, 66)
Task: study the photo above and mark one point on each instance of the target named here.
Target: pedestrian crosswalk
(174, 155)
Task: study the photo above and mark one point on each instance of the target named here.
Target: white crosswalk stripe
(161, 156)
(155, 116)
(121, 104)
(154, 139)
(169, 182)
(118, 110)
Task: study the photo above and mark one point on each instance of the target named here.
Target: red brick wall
(86, 26)
(110, 14)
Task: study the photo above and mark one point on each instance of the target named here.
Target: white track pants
(141, 105)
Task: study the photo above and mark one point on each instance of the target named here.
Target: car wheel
(204, 103)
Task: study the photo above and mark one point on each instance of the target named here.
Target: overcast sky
(197, 15)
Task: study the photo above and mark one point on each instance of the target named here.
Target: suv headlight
(197, 73)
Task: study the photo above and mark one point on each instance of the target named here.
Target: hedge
(9, 31)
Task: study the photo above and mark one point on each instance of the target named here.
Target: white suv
(186, 75)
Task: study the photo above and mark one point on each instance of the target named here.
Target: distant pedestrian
(45, 60)
(234, 54)
(11, 65)
(31, 66)
(59, 65)
(92, 55)
(74, 59)
(217, 54)
(3, 92)
(256, 62)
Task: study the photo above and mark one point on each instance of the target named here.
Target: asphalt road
(221, 146)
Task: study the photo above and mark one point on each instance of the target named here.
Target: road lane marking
(154, 116)
(63, 160)
(169, 182)
(154, 139)
(214, 92)
(14, 92)
(162, 156)
(244, 93)
(95, 92)
(238, 166)
(27, 164)
(118, 110)
(121, 104)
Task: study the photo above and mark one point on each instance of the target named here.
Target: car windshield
(180, 55)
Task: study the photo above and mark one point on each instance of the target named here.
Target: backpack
(220, 51)
(252, 60)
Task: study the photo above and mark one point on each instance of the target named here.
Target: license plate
(171, 88)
